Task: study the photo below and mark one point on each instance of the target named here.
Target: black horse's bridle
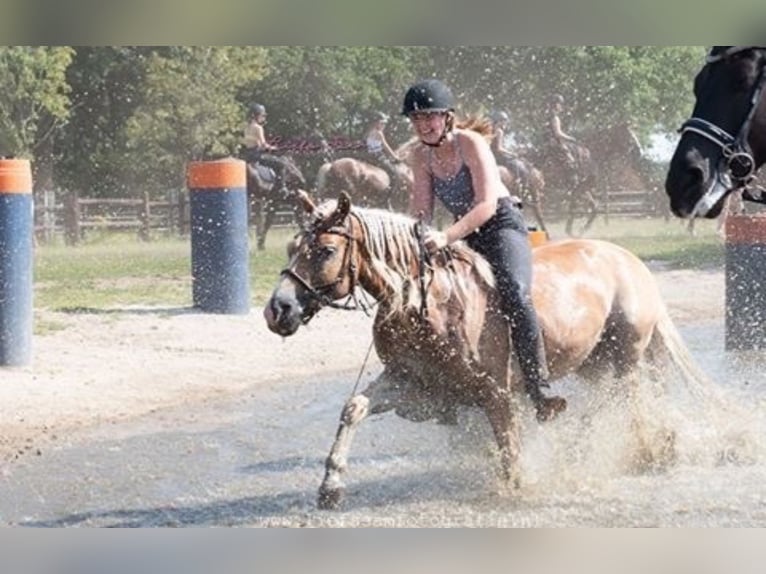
(736, 155)
(321, 293)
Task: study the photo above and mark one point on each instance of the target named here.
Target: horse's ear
(305, 201)
(344, 204)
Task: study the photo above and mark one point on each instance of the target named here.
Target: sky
(662, 146)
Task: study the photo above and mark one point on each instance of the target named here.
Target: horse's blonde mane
(394, 251)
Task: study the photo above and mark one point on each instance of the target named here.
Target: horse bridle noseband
(735, 150)
(320, 293)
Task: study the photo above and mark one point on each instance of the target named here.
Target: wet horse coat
(599, 308)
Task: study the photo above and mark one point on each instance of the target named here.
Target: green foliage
(33, 99)
(119, 120)
(189, 110)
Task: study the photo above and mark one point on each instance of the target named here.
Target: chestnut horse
(439, 332)
(724, 143)
(367, 184)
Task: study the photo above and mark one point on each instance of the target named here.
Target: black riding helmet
(428, 96)
(431, 96)
(257, 110)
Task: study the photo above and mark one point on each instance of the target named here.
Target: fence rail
(73, 216)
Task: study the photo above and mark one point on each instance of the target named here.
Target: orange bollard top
(219, 174)
(745, 229)
(15, 176)
(537, 238)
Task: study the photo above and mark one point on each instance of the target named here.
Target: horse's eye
(326, 252)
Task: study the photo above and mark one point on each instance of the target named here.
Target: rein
(736, 154)
(424, 260)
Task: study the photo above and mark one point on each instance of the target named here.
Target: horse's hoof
(329, 498)
(549, 407)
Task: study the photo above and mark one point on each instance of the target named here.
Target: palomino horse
(724, 143)
(438, 329)
(264, 200)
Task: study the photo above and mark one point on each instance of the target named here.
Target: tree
(188, 110)
(34, 98)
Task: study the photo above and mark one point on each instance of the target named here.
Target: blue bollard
(745, 280)
(16, 229)
(219, 236)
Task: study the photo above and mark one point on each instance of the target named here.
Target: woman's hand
(435, 240)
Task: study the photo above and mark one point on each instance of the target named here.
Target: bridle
(321, 293)
(736, 155)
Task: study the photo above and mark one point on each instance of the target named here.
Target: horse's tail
(294, 171)
(320, 183)
(668, 346)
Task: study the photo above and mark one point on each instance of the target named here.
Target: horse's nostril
(283, 309)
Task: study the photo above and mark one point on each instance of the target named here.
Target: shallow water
(257, 459)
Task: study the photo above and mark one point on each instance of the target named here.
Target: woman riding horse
(257, 148)
(380, 154)
(456, 166)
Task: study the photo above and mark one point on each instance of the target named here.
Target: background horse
(724, 142)
(367, 184)
(600, 159)
(578, 186)
(440, 334)
(264, 200)
(526, 182)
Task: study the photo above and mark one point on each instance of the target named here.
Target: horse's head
(321, 268)
(724, 142)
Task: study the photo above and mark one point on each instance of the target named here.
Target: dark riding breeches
(278, 164)
(503, 242)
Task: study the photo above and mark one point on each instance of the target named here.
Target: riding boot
(535, 372)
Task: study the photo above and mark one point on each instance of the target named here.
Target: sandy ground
(99, 368)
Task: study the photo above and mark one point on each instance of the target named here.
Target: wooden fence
(74, 217)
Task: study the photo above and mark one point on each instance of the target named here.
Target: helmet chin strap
(440, 141)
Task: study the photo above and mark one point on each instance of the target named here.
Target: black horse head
(724, 142)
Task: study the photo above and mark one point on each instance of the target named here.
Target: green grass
(118, 270)
(658, 240)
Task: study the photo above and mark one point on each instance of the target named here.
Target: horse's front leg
(507, 431)
(269, 211)
(379, 397)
